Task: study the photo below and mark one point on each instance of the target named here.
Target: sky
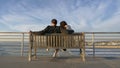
(81, 15)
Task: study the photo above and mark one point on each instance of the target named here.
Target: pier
(63, 62)
(102, 51)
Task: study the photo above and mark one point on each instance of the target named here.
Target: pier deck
(60, 62)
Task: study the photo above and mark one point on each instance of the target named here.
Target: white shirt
(68, 27)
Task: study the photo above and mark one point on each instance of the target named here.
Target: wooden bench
(57, 41)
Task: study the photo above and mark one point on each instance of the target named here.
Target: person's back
(50, 28)
(65, 29)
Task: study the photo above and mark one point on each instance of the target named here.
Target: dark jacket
(50, 29)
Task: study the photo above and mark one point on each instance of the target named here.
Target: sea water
(14, 49)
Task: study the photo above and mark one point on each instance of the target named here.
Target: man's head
(54, 22)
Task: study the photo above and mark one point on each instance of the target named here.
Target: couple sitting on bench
(53, 28)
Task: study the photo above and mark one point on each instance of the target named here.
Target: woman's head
(63, 24)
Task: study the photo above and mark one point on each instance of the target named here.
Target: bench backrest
(75, 40)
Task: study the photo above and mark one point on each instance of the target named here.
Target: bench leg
(83, 54)
(30, 54)
(35, 53)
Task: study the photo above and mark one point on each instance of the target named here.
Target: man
(50, 29)
(53, 28)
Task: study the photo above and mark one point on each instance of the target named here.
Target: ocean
(14, 49)
(11, 44)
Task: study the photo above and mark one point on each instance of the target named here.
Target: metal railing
(12, 37)
(103, 40)
(93, 40)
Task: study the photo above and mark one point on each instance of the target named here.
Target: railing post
(83, 44)
(93, 44)
(22, 44)
(30, 46)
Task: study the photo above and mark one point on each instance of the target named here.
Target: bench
(56, 41)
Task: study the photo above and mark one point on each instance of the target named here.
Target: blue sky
(82, 15)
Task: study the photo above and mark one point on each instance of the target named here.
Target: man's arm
(44, 30)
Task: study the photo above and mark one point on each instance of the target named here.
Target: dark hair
(62, 24)
(54, 21)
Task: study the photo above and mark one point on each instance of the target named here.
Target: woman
(65, 29)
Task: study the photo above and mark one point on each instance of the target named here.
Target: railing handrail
(75, 32)
(90, 37)
(102, 32)
(15, 36)
(15, 32)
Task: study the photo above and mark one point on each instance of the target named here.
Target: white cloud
(26, 27)
(87, 16)
(111, 24)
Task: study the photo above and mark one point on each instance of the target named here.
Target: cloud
(112, 24)
(82, 15)
(95, 18)
(28, 27)
(109, 19)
